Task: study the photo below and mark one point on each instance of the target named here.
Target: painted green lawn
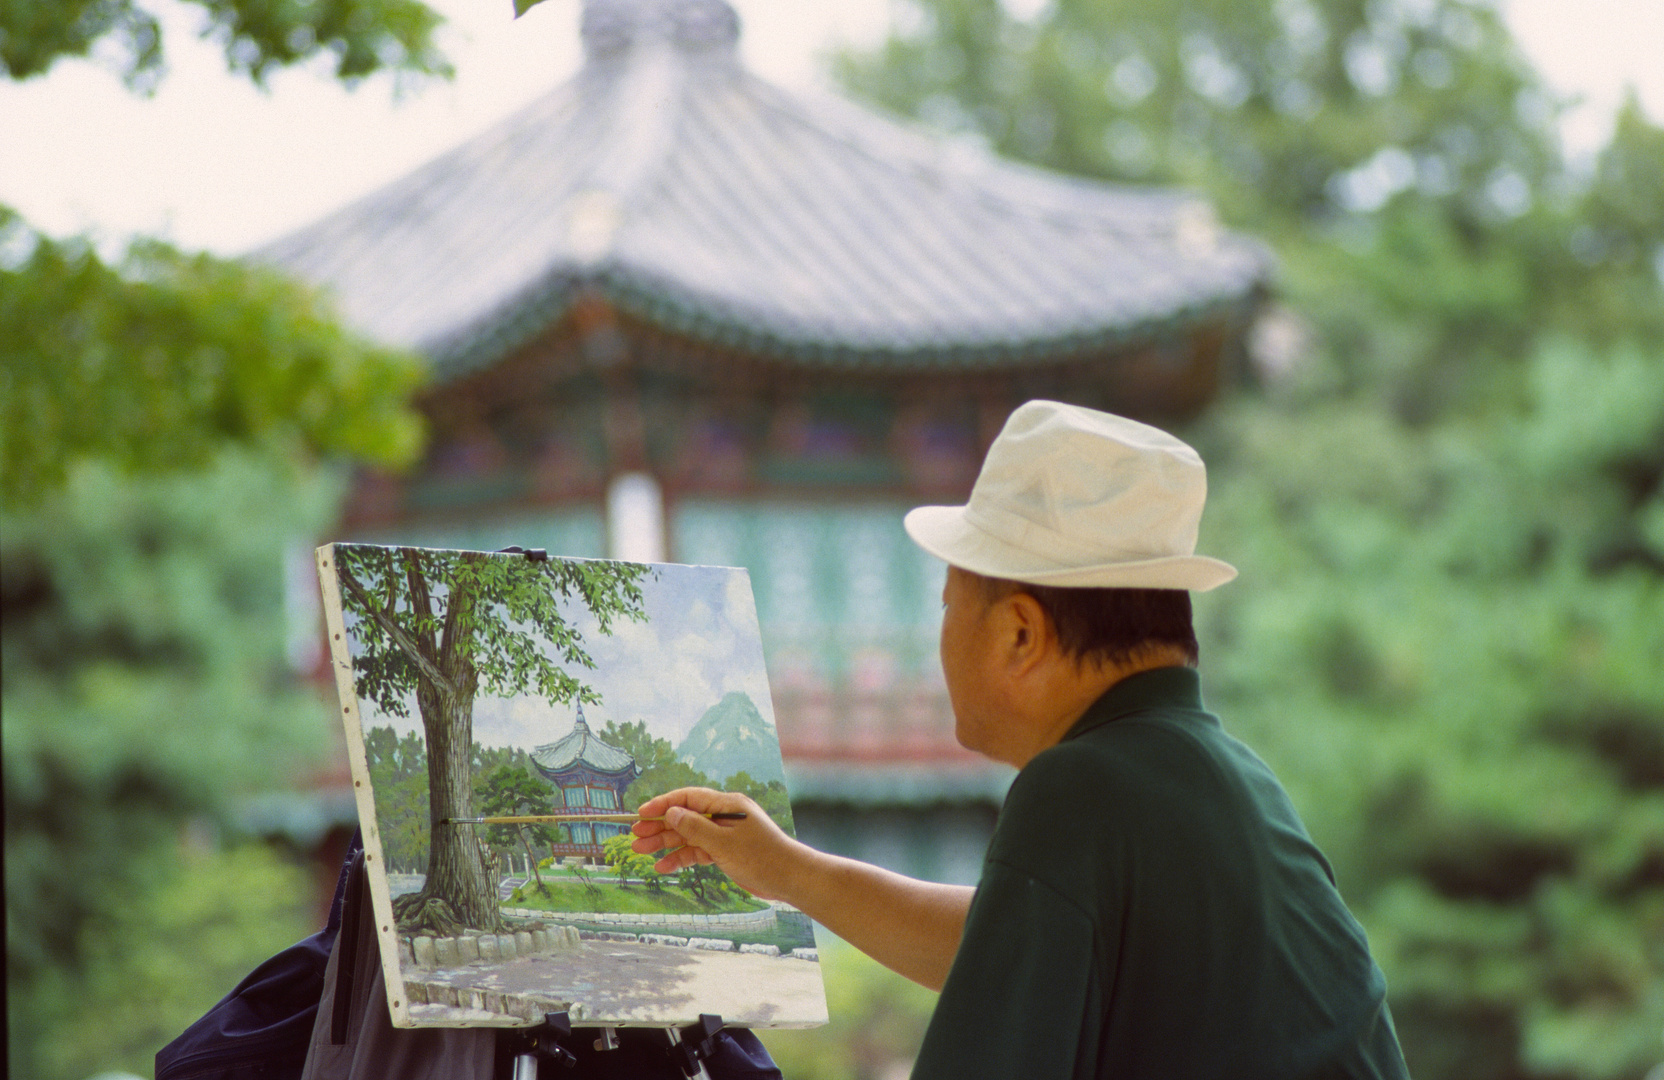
(612, 898)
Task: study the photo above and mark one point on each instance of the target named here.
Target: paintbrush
(555, 819)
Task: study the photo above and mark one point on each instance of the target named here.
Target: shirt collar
(1177, 688)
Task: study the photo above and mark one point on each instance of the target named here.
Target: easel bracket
(551, 1042)
(695, 1043)
(531, 554)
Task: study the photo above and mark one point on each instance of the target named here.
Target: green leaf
(163, 361)
(359, 36)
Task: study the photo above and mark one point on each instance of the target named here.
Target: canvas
(505, 714)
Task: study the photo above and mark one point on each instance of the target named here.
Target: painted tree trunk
(531, 862)
(456, 871)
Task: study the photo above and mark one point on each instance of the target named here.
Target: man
(1150, 905)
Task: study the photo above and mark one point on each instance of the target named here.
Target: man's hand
(908, 925)
(755, 853)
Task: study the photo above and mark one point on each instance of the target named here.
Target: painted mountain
(733, 737)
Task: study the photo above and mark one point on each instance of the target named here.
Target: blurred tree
(1617, 238)
(1401, 156)
(1448, 507)
(1447, 644)
(198, 929)
(158, 363)
(145, 684)
(363, 36)
(1270, 106)
(165, 425)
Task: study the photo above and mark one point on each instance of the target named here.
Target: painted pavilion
(675, 312)
(586, 776)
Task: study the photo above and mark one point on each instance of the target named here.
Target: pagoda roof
(581, 747)
(702, 199)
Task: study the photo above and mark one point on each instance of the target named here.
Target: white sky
(212, 162)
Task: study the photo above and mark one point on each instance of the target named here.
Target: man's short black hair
(1112, 626)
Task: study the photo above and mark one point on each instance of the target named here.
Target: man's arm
(912, 927)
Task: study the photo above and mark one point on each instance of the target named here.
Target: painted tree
(439, 627)
(511, 791)
(626, 863)
(399, 772)
(661, 769)
(709, 885)
(770, 796)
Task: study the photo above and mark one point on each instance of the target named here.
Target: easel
(553, 1043)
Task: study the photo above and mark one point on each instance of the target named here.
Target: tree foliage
(198, 927)
(508, 790)
(770, 796)
(708, 884)
(361, 36)
(418, 609)
(1451, 653)
(628, 864)
(876, 1021)
(399, 774)
(158, 363)
(661, 769)
(1401, 156)
(1269, 106)
(145, 685)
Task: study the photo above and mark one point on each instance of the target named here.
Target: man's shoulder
(1093, 792)
(1143, 782)
(1132, 750)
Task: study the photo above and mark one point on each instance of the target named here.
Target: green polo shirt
(1151, 906)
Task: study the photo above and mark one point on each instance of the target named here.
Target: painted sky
(700, 641)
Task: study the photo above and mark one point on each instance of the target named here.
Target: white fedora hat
(1076, 497)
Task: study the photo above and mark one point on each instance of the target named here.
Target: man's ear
(1028, 633)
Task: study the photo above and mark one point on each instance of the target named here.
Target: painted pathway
(622, 983)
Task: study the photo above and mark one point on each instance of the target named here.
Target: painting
(505, 714)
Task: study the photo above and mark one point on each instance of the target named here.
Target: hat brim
(945, 533)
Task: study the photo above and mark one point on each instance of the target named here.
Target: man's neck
(1071, 693)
